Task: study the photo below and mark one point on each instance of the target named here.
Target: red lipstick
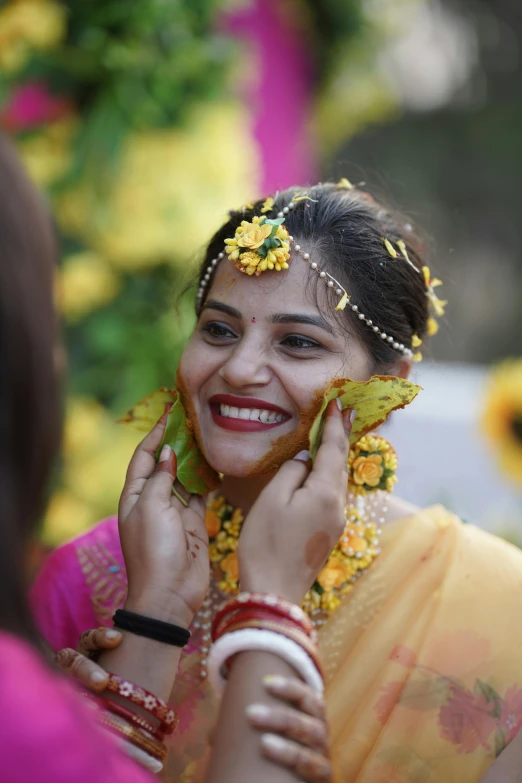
(244, 425)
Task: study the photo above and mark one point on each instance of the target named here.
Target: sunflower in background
(502, 417)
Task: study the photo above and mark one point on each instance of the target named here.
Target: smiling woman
(296, 291)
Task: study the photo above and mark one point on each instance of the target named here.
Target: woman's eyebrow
(277, 318)
(213, 304)
(301, 318)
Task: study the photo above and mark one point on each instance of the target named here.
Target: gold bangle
(134, 735)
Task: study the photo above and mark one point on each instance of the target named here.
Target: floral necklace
(372, 463)
(371, 469)
(351, 557)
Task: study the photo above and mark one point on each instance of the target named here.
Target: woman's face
(259, 355)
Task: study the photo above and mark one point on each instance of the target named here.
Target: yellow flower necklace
(351, 557)
(371, 469)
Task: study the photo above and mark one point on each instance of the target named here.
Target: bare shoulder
(398, 508)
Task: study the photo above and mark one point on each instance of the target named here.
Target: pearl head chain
(330, 281)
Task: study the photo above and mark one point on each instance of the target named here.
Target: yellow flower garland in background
(28, 26)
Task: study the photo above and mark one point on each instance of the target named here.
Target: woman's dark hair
(30, 416)
(345, 230)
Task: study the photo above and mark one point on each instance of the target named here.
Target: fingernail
(258, 711)
(303, 456)
(97, 678)
(165, 453)
(273, 742)
(275, 681)
(112, 635)
(347, 420)
(339, 403)
(333, 407)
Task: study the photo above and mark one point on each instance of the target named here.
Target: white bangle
(139, 755)
(264, 641)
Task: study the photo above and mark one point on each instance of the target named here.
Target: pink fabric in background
(61, 596)
(48, 734)
(281, 100)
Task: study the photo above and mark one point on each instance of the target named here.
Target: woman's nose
(246, 366)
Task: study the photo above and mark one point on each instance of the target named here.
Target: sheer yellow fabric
(423, 662)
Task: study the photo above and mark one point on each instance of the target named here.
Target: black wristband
(157, 630)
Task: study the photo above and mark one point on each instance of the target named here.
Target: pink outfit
(80, 586)
(281, 95)
(48, 733)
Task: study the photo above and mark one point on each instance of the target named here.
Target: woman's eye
(296, 342)
(218, 331)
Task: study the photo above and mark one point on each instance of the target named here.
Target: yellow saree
(424, 659)
(423, 662)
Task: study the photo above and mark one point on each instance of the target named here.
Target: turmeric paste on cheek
(188, 405)
(285, 447)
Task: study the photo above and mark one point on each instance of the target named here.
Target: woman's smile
(246, 414)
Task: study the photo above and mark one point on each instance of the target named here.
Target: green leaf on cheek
(373, 400)
(194, 473)
(145, 414)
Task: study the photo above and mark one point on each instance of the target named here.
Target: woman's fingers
(290, 723)
(307, 765)
(289, 478)
(296, 693)
(159, 486)
(332, 456)
(82, 669)
(142, 464)
(98, 639)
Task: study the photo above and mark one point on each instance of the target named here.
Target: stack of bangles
(143, 736)
(255, 621)
(137, 717)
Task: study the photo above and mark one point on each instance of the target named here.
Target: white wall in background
(443, 457)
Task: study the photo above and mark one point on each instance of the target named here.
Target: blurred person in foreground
(422, 653)
(48, 731)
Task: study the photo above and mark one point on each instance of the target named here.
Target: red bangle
(272, 603)
(259, 616)
(133, 717)
(152, 704)
(290, 632)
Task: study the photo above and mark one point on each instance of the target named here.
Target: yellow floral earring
(372, 464)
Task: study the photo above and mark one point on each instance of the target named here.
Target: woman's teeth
(253, 414)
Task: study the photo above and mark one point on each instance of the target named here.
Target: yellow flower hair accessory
(345, 184)
(264, 244)
(268, 204)
(259, 246)
(402, 250)
(433, 327)
(372, 464)
(437, 304)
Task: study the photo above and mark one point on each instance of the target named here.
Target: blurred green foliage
(121, 352)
